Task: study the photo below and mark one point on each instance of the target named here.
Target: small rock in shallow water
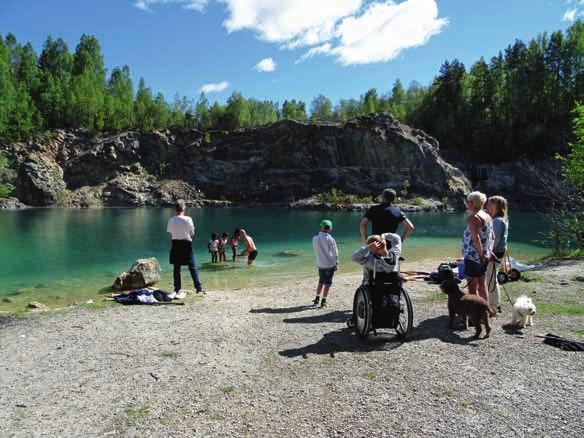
(36, 306)
(6, 300)
(288, 253)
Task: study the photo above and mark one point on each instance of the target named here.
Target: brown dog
(469, 306)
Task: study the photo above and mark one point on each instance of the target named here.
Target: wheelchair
(383, 303)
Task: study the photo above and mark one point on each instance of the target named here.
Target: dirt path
(263, 363)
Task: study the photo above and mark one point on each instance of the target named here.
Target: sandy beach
(263, 362)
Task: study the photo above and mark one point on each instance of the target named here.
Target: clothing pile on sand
(149, 296)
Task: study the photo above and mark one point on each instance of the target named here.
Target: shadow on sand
(437, 328)
(339, 316)
(277, 310)
(345, 340)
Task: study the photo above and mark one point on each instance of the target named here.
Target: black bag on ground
(445, 272)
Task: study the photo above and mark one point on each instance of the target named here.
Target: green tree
(56, 63)
(370, 102)
(294, 110)
(144, 110)
(5, 189)
(161, 112)
(237, 113)
(87, 92)
(321, 108)
(119, 106)
(397, 101)
(7, 91)
(448, 97)
(216, 116)
(574, 160)
(202, 113)
(18, 115)
(347, 109)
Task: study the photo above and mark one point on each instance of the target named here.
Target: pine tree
(119, 106)
(144, 108)
(87, 92)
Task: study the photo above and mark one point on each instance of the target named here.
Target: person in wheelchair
(378, 301)
(380, 255)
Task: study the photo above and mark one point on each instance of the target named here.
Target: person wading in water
(181, 230)
(385, 218)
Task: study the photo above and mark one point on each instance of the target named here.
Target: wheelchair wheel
(362, 311)
(406, 315)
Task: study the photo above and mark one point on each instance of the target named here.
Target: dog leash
(494, 277)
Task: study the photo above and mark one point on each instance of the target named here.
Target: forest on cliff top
(517, 103)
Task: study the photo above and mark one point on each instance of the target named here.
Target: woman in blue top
(497, 208)
(476, 244)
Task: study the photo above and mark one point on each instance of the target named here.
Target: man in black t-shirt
(385, 218)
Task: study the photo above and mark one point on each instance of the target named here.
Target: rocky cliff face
(277, 163)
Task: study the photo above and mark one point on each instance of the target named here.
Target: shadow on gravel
(511, 329)
(282, 309)
(339, 316)
(437, 328)
(344, 340)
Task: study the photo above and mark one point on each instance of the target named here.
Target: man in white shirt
(327, 260)
(181, 231)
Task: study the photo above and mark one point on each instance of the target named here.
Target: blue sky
(339, 48)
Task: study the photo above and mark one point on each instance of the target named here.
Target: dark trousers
(194, 275)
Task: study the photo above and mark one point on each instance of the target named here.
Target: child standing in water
(327, 260)
(213, 247)
(235, 242)
(222, 245)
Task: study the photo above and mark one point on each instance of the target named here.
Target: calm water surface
(58, 256)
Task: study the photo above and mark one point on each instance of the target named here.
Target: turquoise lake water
(58, 256)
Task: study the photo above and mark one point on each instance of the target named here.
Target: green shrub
(5, 190)
(337, 197)
(405, 188)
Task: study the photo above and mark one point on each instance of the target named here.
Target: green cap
(326, 224)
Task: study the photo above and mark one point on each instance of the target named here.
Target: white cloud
(293, 23)
(266, 65)
(570, 15)
(214, 87)
(193, 5)
(319, 50)
(385, 29)
(351, 31)
(575, 10)
(339, 28)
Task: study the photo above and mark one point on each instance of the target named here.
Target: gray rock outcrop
(143, 273)
(11, 204)
(282, 162)
(40, 182)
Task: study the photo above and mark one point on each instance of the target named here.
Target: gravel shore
(263, 362)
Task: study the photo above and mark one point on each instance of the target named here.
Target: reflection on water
(65, 255)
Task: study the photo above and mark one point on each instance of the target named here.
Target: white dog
(523, 311)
